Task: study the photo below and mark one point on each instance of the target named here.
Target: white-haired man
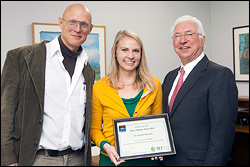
(203, 112)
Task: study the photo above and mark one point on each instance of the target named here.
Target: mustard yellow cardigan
(107, 105)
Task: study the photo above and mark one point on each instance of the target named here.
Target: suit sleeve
(10, 80)
(223, 108)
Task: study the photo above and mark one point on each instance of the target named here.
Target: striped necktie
(178, 86)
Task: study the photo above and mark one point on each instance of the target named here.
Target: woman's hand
(110, 150)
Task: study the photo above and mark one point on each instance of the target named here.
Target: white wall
(150, 19)
(224, 16)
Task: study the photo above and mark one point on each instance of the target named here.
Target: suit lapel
(89, 75)
(192, 78)
(169, 86)
(35, 61)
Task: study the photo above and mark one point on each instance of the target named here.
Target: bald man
(46, 102)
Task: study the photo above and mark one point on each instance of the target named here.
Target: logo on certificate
(159, 148)
(122, 128)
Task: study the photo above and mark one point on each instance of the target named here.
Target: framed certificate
(141, 137)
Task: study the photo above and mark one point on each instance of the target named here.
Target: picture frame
(94, 46)
(241, 53)
(144, 136)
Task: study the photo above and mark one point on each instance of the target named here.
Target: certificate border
(117, 143)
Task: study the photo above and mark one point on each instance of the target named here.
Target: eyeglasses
(74, 23)
(188, 35)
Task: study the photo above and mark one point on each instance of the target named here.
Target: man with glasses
(201, 99)
(46, 103)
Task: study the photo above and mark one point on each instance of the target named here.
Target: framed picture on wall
(241, 53)
(94, 46)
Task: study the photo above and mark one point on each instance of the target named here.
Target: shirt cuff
(101, 146)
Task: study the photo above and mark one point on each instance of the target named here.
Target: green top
(130, 105)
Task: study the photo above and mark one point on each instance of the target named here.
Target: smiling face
(128, 54)
(188, 49)
(73, 38)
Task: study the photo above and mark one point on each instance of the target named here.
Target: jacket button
(40, 122)
(35, 144)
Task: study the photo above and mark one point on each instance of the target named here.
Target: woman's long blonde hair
(143, 75)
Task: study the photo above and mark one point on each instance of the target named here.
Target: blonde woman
(129, 90)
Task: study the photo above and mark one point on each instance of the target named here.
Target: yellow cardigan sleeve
(97, 113)
(106, 106)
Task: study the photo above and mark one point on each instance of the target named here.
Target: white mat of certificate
(143, 137)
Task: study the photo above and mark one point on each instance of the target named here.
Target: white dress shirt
(64, 102)
(187, 68)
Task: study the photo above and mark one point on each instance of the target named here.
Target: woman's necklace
(128, 83)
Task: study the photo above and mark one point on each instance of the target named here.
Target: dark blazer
(22, 104)
(203, 116)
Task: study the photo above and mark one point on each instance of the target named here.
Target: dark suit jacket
(22, 104)
(203, 116)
